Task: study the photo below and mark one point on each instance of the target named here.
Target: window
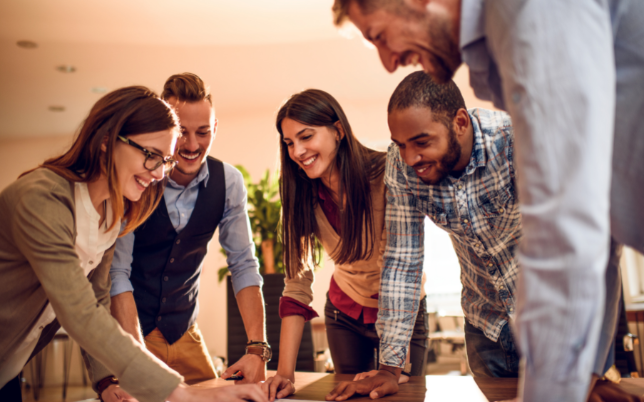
(442, 272)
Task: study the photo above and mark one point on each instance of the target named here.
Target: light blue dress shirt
(571, 75)
(234, 231)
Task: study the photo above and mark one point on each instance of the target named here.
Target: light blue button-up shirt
(571, 75)
(234, 230)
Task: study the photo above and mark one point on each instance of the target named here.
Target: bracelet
(104, 383)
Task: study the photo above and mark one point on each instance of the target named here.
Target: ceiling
(252, 53)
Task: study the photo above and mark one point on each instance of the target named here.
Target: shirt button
(516, 97)
(501, 287)
(182, 215)
(171, 260)
(178, 241)
(159, 318)
(511, 309)
(165, 278)
(465, 220)
(460, 186)
(501, 210)
(163, 300)
(489, 264)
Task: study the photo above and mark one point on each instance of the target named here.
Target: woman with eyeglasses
(58, 225)
(332, 190)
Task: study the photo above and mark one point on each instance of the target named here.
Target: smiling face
(313, 148)
(424, 32)
(199, 127)
(431, 148)
(133, 177)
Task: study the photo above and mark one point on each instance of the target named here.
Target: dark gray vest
(167, 265)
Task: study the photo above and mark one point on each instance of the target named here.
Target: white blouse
(91, 243)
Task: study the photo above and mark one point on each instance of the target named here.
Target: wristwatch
(262, 349)
(104, 383)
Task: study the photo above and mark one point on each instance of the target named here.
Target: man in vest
(156, 269)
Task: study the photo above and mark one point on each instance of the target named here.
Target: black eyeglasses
(152, 159)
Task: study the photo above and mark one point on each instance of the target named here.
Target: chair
(450, 331)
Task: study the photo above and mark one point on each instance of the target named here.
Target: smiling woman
(58, 226)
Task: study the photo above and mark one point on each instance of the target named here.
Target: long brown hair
(357, 164)
(127, 112)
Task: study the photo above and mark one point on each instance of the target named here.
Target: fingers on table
(342, 391)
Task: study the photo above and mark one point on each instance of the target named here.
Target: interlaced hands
(380, 384)
(278, 387)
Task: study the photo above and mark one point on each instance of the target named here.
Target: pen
(235, 377)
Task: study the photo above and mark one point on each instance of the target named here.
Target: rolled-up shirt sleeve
(402, 270)
(555, 58)
(235, 234)
(122, 265)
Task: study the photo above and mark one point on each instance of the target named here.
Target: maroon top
(290, 306)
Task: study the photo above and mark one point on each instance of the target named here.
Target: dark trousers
(355, 346)
(11, 391)
(488, 358)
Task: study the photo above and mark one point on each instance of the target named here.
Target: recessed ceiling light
(27, 44)
(56, 108)
(99, 90)
(66, 68)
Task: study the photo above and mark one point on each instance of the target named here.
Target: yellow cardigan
(359, 279)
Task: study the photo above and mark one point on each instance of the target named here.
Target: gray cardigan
(38, 265)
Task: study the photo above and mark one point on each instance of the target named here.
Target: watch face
(268, 354)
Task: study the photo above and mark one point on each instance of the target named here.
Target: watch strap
(104, 383)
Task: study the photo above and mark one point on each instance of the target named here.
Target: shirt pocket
(500, 211)
(435, 213)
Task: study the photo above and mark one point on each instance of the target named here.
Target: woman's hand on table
(383, 383)
(278, 387)
(238, 393)
(114, 393)
(361, 376)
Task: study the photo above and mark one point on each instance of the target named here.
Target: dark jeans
(488, 358)
(11, 391)
(355, 346)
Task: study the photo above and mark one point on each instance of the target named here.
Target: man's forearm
(124, 310)
(251, 305)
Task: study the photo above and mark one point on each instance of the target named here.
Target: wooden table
(314, 386)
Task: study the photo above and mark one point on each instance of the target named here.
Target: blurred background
(57, 58)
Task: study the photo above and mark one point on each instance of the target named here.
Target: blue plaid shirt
(479, 210)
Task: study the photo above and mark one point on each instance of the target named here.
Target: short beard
(446, 165)
(449, 60)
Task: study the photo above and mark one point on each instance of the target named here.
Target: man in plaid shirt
(456, 167)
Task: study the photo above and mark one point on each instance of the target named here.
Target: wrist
(288, 374)
(394, 371)
(104, 384)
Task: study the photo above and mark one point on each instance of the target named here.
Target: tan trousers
(188, 356)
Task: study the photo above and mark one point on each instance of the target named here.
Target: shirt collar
(477, 159)
(472, 24)
(203, 176)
